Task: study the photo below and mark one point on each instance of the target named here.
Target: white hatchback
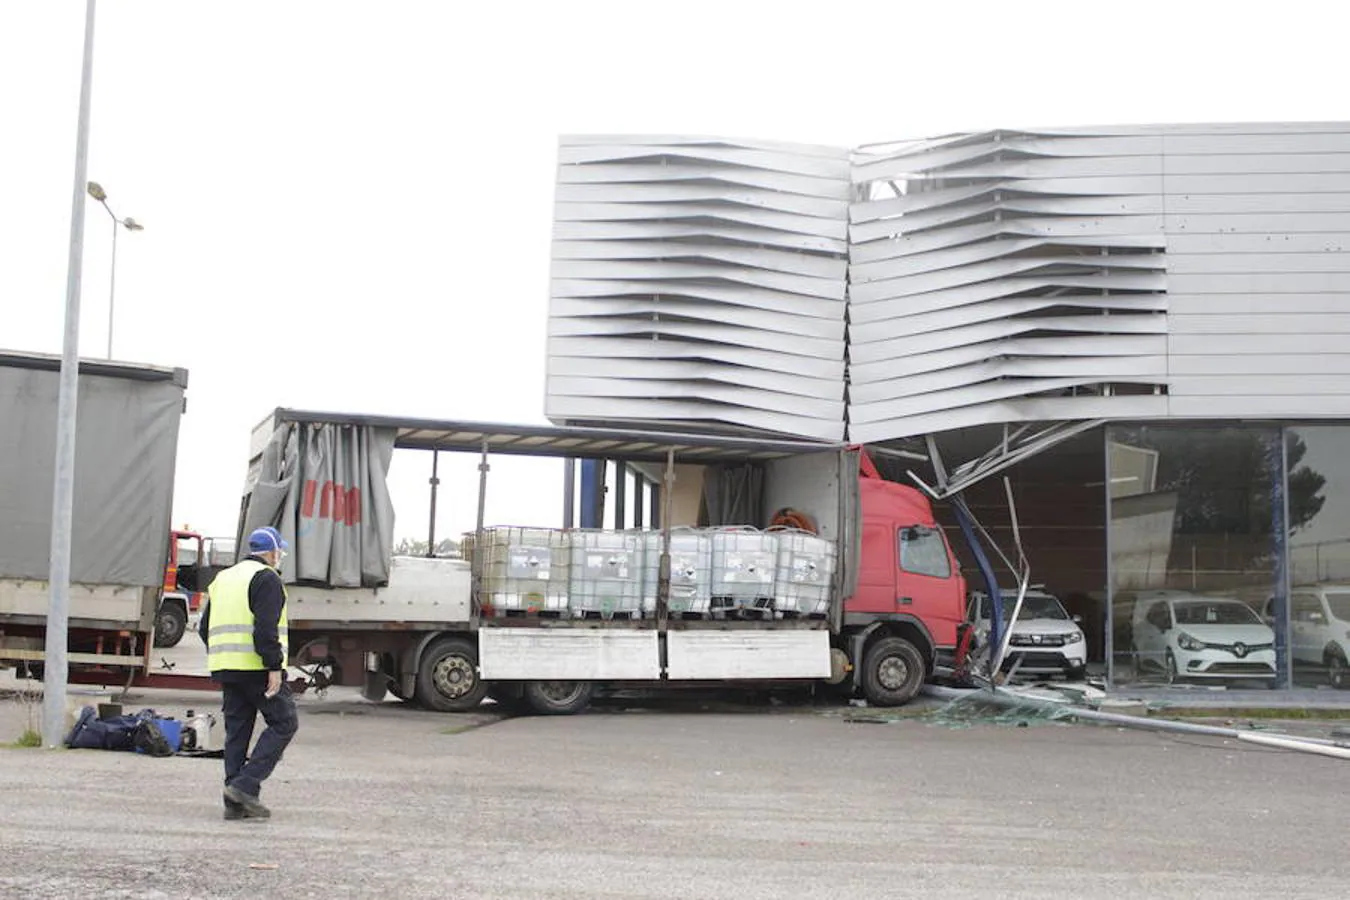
(1190, 636)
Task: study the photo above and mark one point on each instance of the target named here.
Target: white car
(1190, 636)
(1045, 638)
(1319, 629)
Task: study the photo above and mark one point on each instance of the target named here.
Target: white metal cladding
(1134, 272)
(1006, 276)
(699, 280)
(1258, 228)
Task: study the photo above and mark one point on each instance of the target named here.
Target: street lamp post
(56, 668)
(96, 191)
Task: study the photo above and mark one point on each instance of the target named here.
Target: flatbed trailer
(424, 630)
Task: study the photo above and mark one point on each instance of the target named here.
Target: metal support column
(569, 492)
(620, 494)
(435, 485)
(476, 570)
(592, 493)
(638, 482)
(663, 576)
(654, 507)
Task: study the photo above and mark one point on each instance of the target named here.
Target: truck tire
(170, 624)
(447, 677)
(893, 670)
(557, 698)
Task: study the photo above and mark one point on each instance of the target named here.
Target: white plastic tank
(805, 573)
(606, 573)
(525, 570)
(745, 564)
(690, 571)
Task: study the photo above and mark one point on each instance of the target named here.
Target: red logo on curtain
(334, 501)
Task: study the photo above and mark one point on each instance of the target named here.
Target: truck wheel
(447, 677)
(893, 671)
(557, 698)
(170, 624)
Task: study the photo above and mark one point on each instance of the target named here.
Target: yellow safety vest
(229, 641)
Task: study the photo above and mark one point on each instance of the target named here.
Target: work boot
(250, 806)
(236, 811)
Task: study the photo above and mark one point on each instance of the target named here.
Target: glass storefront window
(1319, 554)
(1197, 555)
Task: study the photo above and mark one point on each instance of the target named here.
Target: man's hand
(273, 684)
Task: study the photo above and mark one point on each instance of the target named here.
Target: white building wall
(1258, 258)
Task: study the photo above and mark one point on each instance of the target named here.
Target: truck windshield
(1199, 612)
(1339, 604)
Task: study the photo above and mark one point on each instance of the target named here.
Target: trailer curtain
(126, 438)
(324, 487)
(733, 495)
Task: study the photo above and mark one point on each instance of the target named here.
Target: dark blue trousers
(242, 703)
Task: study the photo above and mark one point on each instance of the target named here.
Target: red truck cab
(910, 602)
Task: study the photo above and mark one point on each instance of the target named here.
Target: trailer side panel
(126, 442)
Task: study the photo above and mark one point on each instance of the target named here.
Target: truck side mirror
(1077, 618)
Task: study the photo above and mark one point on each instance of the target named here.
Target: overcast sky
(347, 205)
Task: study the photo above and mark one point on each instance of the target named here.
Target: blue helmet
(266, 540)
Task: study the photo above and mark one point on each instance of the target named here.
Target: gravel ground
(383, 800)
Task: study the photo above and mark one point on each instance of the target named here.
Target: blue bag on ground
(141, 733)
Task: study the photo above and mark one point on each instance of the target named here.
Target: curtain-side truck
(436, 634)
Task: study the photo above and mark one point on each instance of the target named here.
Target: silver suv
(1045, 640)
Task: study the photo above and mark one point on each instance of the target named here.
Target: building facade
(1162, 309)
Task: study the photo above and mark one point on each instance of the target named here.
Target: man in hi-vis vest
(244, 628)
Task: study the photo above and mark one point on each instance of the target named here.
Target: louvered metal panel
(699, 282)
(1063, 274)
(992, 270)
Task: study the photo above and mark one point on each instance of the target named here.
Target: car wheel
(1171, 668)
(893, 672)
(1337, 673)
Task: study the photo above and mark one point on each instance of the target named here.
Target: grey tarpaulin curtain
(733, 495)
(324, 486)
(125, 447)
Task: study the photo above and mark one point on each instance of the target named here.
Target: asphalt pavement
(678, 801)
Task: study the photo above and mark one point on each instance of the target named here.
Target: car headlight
(1186, 642)
(1073, 638)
